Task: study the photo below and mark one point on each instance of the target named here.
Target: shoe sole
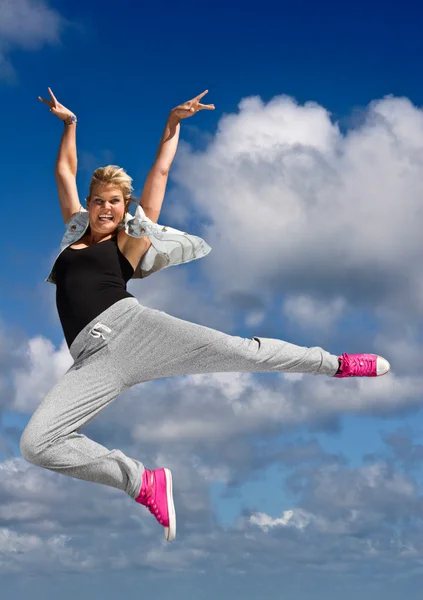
(170, 532)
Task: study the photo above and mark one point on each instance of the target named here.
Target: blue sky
(306, 182)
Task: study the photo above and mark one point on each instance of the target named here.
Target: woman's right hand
(56, 108)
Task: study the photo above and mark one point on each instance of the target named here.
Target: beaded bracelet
(71, 119)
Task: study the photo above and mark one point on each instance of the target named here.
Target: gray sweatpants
(129, 344)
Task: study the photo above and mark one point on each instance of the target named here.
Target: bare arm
(155, 185)
(67, 157)
(66, 162)
(65, 173)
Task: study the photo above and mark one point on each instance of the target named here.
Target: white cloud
(40, 554)
(290, 518)
(338, 500)
(405, 348)
(293, 377)
(215, 407)
(231, 384)
(294, 206)
(344, 512)
(254, 318)
(309, 312)
(27, 24)
(44, 367)
(304, 521)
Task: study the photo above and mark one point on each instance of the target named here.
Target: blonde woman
(116, 342)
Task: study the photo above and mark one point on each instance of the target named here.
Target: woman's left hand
(188, 109)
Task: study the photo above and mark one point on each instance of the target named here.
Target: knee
(30, 446)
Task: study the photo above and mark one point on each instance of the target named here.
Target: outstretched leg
(151, 344)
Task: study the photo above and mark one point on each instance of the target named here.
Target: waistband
(107, 318)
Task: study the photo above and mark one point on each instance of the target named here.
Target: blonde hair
(118, 177)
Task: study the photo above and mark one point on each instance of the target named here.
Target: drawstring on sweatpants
(96, 330)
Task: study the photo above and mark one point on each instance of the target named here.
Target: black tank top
(88, 281)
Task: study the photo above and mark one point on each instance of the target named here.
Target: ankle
(146, 482)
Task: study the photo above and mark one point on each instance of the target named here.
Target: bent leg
(153, 344)
(51, 439)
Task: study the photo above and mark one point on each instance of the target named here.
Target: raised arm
(66, 162)
(155, 184)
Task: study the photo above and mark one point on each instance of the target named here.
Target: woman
(116, 342)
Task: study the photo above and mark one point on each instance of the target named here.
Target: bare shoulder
(132, 248)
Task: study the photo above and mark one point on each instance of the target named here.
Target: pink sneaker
(362, 365)
(156, 494)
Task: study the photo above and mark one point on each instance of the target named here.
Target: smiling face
(106, 208)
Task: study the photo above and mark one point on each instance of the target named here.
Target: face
(106, 201)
